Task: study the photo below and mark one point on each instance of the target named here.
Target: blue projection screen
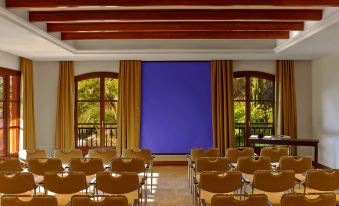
(176, 106)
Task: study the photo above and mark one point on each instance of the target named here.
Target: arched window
(96, 96)
(253, 105)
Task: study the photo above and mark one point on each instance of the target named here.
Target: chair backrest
(66, 156)
(39, 166)
(25, 155)
(16, 183)
(85, 200)
(15, 200)
(232, 154)
(106, 155)
(10, 164)
(65, 183)
(275, 153)
(297, 164)
(144, 154)
(274, 181)
(200, 152)
(89, 166)
(314, 200)
(249, 165)
(322, 180)
(230, 200)
(136, 165)
(219, 164)
(121, 183)
(219, 182)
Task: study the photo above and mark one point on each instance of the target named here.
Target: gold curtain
(286, 110)
(64, 134)
(222, 104)
(26, 67)
(129, 105)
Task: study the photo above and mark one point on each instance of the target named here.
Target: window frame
(248, 75)
(6, 75)
(77, 79)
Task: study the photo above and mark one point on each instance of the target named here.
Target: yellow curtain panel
(286, 110)
(129, 105)
(64, 134)
(26, 67)
(222, 104)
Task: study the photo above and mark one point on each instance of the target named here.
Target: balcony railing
(89, 136)
(255, 128)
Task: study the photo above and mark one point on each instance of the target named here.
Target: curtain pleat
(26, 67)
(222, 104)
(286, 110)
(64, 134)
(129, 105)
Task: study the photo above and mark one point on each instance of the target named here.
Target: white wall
(45, 95)
(325, 110)
(9, 61)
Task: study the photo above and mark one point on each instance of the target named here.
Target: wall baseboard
(320, 166)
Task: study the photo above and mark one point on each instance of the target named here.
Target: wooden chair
(232, 154)
(25, 155)
(89, 166)
(308, 200)
(275, 153)
(106, 155)
(300, 165)
(212, 183)
(17, 200)
(238, 200)
(66, 156)
(38, 166)
(273, 183)
(17, 183)
(104, 200)
(10, 165)
(248, 165)
(65, 185)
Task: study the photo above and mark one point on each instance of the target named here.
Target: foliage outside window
(9, 111)
(96, 110)
(253, 105)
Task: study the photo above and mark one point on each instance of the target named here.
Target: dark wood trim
(177, 35)
(175, 26)
(127, 3)
(254, 74)
(148, 15)
(11, 72)
(170, 163)
(96, 75)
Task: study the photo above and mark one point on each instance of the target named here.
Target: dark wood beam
(168, 15)
(126, 3)
(175, 26)
(177, 35)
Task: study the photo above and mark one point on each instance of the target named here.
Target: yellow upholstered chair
(232, 154)
(89, 166)
(17, 183)
(322, 181)
(300, 165)
(275, 153)
(14, 200)
(211, 183)
(248, 165)
(294, 199)
(273, 183)
(65, 185)
(108, 200)
(125, 183)
(105, 154)
(10, 165)
(231, 200)
(66, 156)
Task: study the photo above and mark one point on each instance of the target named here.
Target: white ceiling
(21, 38)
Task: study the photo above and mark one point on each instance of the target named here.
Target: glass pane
(88, 135)
(14, 92)
(2, 145)
(261, 117)
(88, 112)
(89, 89)
(239, 112)
(111, 112)
(14, 140)
(14, 117)
(1, 88)
(261, 89)
(239, 85)
(111, 89)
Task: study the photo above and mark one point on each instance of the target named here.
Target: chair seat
(273, 197)
(207, 196)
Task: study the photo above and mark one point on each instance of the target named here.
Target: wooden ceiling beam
(175, 26)
(176, 35)
(172, 15)
(127, 3)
